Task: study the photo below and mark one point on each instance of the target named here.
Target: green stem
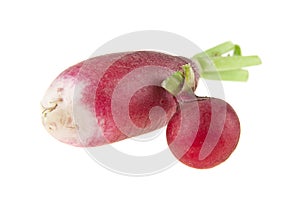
(174, 83)
(215, 61)
(180, 81)
(237, 51)
(217, 50)
(234, 62)
(189, 77)
(236, 75)
(215, 64)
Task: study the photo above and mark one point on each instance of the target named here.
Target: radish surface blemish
(58, 114)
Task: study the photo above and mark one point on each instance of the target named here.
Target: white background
(41, 38)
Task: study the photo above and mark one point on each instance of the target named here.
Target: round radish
(215, 132)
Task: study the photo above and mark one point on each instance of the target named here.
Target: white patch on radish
(77, 127)
(89, 131)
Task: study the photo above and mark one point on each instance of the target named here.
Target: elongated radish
(84, 104)
(111, 97)
(203, 133)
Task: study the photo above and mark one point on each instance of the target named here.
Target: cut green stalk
(220, 63)
(180, 81)
(236, 75)
(215, 64)
(217, 50)
(174, 83)
(189, 77)
(233, 62)
(237, 51)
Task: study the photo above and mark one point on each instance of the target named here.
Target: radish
(204, 138)
(78, 104)
(112, 97)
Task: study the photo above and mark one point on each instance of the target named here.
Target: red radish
(215, 134)
(78, 105)
(109, 98)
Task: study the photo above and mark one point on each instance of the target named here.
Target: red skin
(105, 73)
(216, 146)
